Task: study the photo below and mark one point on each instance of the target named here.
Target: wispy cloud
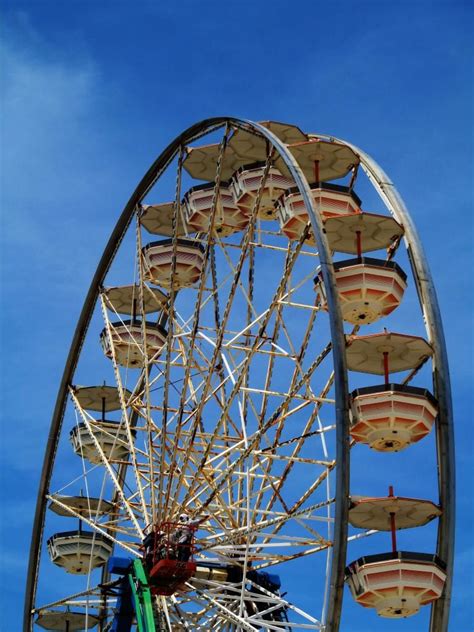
(48, 107)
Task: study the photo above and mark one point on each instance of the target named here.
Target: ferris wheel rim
(113, 244)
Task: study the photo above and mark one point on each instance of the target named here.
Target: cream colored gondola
(66, 620)
(158, 263)
(86, 506)
(128, 338)
(111, 436)
(376, 513)
(79, 551)
(368, 288)
(329, 200)
(128, 342)
(198, 204)
(396, 584)
(246, 184)
(389, 417)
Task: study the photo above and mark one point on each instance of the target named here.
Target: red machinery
(168, 556)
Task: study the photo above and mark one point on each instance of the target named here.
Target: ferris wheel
(239, 361)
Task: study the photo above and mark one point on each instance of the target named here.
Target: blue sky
(91, 93)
